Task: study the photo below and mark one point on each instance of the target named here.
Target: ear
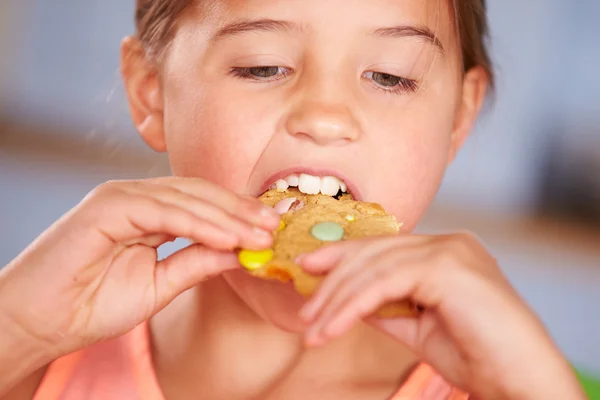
(144, 93)
(475, 83)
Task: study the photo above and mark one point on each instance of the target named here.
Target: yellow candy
(350, 218)
(281, 226)
(253, 260)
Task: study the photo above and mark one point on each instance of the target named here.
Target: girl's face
(371, 91)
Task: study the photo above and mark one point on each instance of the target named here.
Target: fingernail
(269, 216)
(316, 338)
(261, 235)
(300, 259)
(268, 212)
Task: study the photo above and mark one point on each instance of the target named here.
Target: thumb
(187, 267)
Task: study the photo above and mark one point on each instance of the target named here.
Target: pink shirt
(122, 369)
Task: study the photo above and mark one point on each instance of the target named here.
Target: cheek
(412, 160)
(214, 135)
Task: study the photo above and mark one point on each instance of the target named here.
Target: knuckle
(461, 243)
(245, 208)
(388, 291)
(101, 190)
(439, 255)
(105, 190)
(98, 201)
(469, 238)
(444, 263)
(378, 275)
(150, 205)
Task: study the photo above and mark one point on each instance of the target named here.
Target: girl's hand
(95, 275)
(475, 329)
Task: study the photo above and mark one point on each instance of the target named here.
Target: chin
(275, 302)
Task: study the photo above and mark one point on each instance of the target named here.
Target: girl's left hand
(475, 330)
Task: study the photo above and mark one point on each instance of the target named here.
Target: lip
(352, 188)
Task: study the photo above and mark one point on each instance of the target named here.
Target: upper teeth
(308, 184)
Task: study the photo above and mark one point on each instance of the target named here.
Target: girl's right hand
(95, 274)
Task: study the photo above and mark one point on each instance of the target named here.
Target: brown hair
(156, 20)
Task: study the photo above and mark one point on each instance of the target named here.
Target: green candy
(328, 232)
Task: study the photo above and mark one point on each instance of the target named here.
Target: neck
(209, 332)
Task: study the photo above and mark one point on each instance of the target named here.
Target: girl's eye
(260, 73)
(263, 72)
(386, 80)
(391, 83)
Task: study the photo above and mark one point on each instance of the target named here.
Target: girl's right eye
(260, 73)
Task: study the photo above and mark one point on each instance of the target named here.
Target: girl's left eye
(260, 73)
(391, 83)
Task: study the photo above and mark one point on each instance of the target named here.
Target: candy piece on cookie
(328, 232)
(312, 221)
(281, 226)
(253, 260)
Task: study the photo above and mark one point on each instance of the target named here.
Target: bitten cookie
(310, 222)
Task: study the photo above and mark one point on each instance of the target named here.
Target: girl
(380, 94)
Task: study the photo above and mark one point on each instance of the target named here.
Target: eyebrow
(259, 25)
(402, 31)
(271, 25)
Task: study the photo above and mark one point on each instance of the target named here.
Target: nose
(322, 116)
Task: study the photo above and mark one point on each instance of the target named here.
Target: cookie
(310, 222)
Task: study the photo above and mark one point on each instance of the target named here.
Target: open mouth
(312, 184)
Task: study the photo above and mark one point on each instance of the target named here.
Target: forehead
(341, 16)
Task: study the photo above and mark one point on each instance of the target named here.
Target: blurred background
(528, 181)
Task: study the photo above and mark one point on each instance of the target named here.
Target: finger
(321, 261)
(249, 237)
(121, 220)
(355, 261)
(368, 272)
(187, 268)
(324, 259)
(339, 271)
(397, 285)
(154, 240)
(334, 297)
(248, 209)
